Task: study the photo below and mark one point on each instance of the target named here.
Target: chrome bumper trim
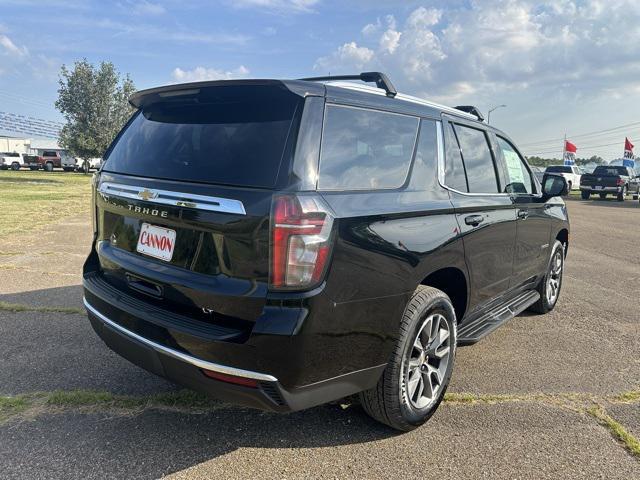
(215, 367)
(596, 190)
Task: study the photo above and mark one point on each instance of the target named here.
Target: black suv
(282, 244)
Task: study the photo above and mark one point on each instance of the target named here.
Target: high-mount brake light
(300, 241)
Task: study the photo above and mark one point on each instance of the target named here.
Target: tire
(67, 169)
(48, 167)
(569, 185)
(401, 399)
(602, 195)
(547, 302)
(585, 194)
(15, 166)
(4, 167)
(622, 195)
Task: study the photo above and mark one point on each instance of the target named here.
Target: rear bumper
(163, 353)
(592, 189)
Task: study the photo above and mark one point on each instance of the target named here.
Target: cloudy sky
(560, 66)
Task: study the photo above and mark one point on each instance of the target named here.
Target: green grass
(31, 200)
(470, 398)
(632, 396)
(18, 307)
(91, 398)
(630, 442)
(95, 400)
(10, 406)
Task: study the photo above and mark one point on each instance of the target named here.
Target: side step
(482, 326)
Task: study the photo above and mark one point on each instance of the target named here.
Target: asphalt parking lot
(554, 396)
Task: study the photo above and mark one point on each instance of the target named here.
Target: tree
(94, 102)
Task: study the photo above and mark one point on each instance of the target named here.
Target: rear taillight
(95, 179)
(301, 227)
(619, 181)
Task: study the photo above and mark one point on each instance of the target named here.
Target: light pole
(491, 110)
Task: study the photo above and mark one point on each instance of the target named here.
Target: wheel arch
(453, 282)
(563, 237)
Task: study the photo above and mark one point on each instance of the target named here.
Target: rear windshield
(234, 135)
(559, 169)
(612, 170)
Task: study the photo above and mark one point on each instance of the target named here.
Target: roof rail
(379, 78)
(472, 110)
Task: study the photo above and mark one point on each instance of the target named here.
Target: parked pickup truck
(49, 160)
(12, 160)
(571, 174)
(611, 179)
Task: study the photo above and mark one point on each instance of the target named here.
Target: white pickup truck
(571, 173)
(12, 160)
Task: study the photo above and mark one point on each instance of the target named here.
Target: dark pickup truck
(611, 179)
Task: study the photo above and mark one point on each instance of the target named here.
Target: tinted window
(424, 174)
(454, 169)
(228, 135)
(612, 170)
(478, 162)
(518, 176)
(559, 169)
(365, 149)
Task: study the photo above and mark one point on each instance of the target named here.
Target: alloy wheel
(554, 279)
(425, 366)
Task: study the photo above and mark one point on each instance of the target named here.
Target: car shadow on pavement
(156, 443)
(58, 351)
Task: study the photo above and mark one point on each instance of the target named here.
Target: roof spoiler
(472, 110)
(379, 78)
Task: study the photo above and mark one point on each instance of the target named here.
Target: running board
(482, 326)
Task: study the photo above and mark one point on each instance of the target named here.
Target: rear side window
(478, 161)
(454, 168)
(365, 149)
(234, 135)
(518, 176)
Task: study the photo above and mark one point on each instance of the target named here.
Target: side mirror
(554, 186)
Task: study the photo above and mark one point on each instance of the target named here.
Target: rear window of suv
(365, 149)
(227, 135)
(559, 169)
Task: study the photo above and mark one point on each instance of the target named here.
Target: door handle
(523, 214)
(474, 220)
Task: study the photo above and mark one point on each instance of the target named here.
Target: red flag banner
(569, 153)
(570, 147)
(628, 153)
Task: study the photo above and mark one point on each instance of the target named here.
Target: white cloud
(154, 32)
(348, 55)
(200, 74)
(424, 17)
(583, 47)
(280, 6)
(10, 48)
(147, 8)
(390, 40)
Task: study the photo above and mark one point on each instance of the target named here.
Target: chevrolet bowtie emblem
(147, 194)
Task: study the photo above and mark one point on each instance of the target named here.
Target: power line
(582, 135)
